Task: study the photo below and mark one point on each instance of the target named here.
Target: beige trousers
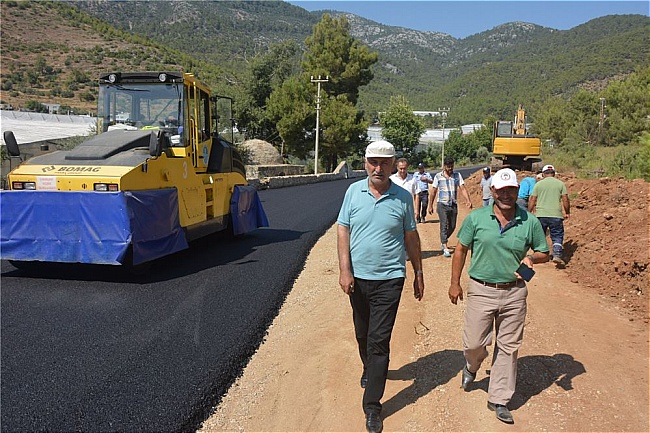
(502, 312)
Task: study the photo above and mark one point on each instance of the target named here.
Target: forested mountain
(485, 74)
(492, 71)
(220, 32)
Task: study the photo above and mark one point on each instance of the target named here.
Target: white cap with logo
(504, 178)
(549, 168)
(380, 149)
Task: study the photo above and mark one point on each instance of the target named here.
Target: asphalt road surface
(93, 348)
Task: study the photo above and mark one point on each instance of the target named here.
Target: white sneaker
(446, 252)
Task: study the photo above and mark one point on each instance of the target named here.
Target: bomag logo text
(79, 169)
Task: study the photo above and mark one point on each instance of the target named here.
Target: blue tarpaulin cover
(89, 227)
(246, 210)
(155, 225)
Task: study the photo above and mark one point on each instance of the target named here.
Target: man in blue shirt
(525, 188)
(423, 180)
(376, 229)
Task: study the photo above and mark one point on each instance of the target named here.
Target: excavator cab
(513, 146)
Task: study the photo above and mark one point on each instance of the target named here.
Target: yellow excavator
(161, 171)
(513, 146)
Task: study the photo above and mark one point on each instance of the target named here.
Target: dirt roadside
(583, 365)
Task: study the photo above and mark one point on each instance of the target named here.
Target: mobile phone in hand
(525, 272)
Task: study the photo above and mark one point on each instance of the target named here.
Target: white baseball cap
(504, 178)
(380, 149)
(548, 167)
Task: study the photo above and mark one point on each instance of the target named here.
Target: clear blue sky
(465, 18)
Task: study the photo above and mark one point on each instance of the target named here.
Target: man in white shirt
(486, 183)
(404, 179)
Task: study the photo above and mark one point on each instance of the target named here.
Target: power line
(443, 113)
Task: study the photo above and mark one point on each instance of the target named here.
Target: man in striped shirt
(446, 185)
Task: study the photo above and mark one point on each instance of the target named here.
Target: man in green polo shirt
(499, 237)
(549, 201)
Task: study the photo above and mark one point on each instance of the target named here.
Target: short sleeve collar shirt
(422, 185)
(448, 187)
(549, 192)
(377, 228)
(496, 251)
(526, 187)
(409, 184)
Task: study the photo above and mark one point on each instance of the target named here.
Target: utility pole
(601, 121)
(443, 113)
(318, 81)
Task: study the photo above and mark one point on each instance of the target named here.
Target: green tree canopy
(469, 148)
(400, 126)
(332, 52)
(335, 56)
(342, 127)
(617, 116)
(290, 107)
(626, 109)
(266, 72)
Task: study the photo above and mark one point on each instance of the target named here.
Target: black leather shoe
(373, 423)
(502, 412)
(468, 377)
(364, 378)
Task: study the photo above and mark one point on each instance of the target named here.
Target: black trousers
(448, 215)
(374, 309)
(424, 203)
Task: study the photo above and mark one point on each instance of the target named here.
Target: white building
(468, 129)
(429, 135)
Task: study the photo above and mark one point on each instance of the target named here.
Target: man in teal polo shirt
(376, 229)
(499, 237)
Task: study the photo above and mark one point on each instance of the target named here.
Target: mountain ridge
(487, 73)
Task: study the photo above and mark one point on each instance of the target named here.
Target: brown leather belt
(497, 285)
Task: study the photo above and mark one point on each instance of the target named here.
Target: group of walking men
(545, 196)
(442, 189)
(377, 234)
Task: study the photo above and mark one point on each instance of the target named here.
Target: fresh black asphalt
(96, 349)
